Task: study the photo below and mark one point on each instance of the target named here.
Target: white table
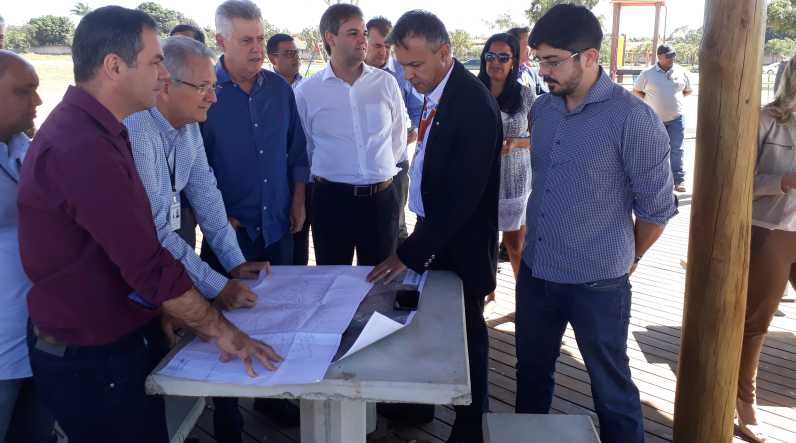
(425, 362)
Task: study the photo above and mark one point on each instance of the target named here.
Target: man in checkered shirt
(600, 156)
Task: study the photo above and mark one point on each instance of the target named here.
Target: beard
(568, 86)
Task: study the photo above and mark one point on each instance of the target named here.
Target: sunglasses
(501, 57)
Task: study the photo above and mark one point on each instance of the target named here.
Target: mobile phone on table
(407, 299)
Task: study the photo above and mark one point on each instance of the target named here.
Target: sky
(457, 14)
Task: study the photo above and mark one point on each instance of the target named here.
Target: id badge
(174, 214)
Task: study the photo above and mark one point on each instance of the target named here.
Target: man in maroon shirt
(101, 279)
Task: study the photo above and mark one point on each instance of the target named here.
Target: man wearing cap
(663, 87)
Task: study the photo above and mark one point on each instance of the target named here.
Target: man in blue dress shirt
(30, 423)
(600, 157)
(257, 149)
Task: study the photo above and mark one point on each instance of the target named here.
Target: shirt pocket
(378, 118)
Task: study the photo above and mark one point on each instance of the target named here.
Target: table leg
(333, 421)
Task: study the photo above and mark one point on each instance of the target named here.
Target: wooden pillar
(656, 33)
(615, 39)
(718, 254)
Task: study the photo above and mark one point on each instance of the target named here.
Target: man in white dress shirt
(354, 120)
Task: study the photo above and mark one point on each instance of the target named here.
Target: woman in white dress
(500, 61)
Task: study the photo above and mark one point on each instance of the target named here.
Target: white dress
(515, 168)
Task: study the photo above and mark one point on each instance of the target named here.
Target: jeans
(676, 135)
(97, 392)
(599, 313)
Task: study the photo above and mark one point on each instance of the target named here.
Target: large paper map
(301, 312)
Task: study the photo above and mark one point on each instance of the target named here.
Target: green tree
(165, 18)
(312, 39)
(781, 47)
(270, 29)
(51, 30)
(81, 9)
(461, 42)
(19, 38)
(502, 23)
(781, 19)
(538, 8)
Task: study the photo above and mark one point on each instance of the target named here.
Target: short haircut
(567, 27)
(108, 30)
(2, 22)
(334, 16)
(198, 34)
(232, 9)
(518, 31)
(272, 46)
(419, 23)
(178, 50)
(380, 24)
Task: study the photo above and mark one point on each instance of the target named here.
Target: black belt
(356, 190)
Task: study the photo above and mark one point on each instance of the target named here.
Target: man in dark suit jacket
(453, 189)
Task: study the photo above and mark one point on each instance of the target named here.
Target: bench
(539, 428)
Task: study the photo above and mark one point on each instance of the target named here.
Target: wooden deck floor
(653, 346)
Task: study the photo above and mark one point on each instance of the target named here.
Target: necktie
(425, 120)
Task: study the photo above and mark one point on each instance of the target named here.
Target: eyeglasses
(200, 89)
(501, 57)
(553, 65)
(289, 53)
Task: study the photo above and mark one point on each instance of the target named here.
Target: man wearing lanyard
(170, 158)
(355, 122)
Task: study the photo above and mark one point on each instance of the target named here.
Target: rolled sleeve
(645, 154)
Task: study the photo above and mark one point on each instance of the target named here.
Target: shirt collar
(78, 97)
(16, 148)
(328, 72)
(601, 91)
(162, 123)
(659, 69)
(222, 76)
(435, 95)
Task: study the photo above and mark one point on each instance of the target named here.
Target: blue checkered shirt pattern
(154, 141)
(594, 168)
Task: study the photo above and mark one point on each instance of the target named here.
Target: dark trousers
(187, 224)
(96, 393)
(24, 419)
(227, 419)
(301, 239)
(402, 186)
(343, 223)
(467, 426)
(599, 313)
